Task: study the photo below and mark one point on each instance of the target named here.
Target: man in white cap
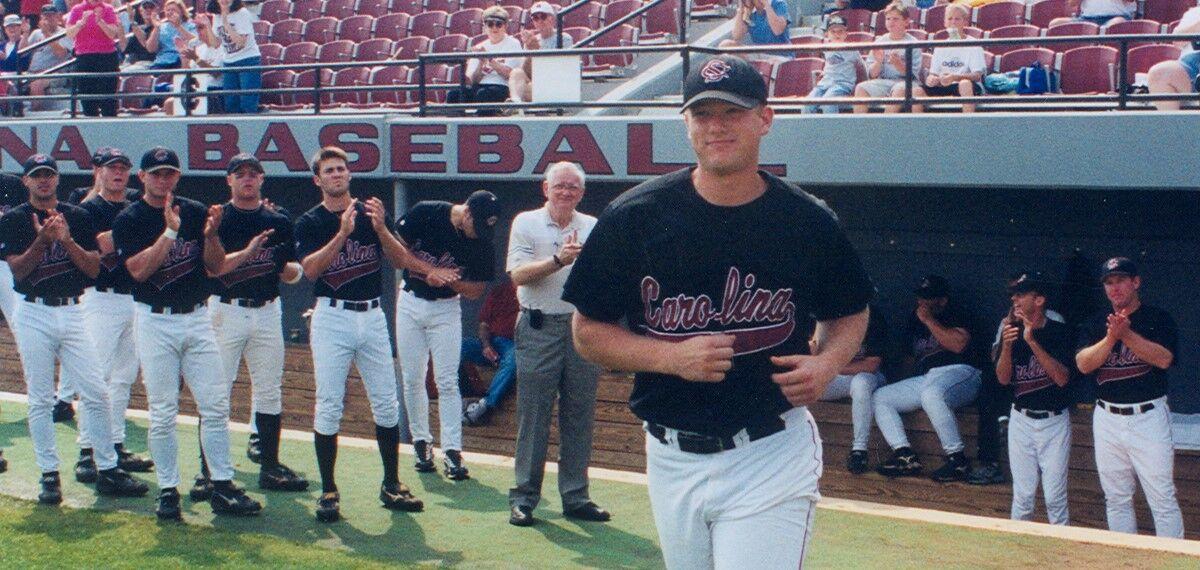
(544, 35)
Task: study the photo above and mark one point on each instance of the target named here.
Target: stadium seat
(661, 23)
(299, 53)
(796, 78)
(410, 7)
(481, 4)
(577, 33)
(272, 54)
(136, 84)
(969, 31)
(857, 20)
(468, 22)
(408, 48)
(307, 9)
(274, 80)
(522, 4)
(340, 51)
(1166, 10)
(807, 39)
(356, 28)
(879, 18)
(308, 79)
(999, 14)
(1141, 58)
(321, 30)
(396, 75)
(1071, 29)
(447, 6)
(275, 10)
(340, 9)
(373, 8)
(934, 19)
(436, 75)
(450, 43)
(764, 68)
(356, 78)
(1087, 70)
(392, 26)
(428, 24)
(1006, 32)
(262, 31)
(375, 49)
(618, 9)
(1018, 58)
(1133, 27)
(611, 64)
(920, 35)
(587, 15)
(287, 32)
(1042, 12)
(860, 37)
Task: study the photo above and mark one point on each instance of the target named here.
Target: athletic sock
(389, 452)
(268, 438)
(85, 452)
(326, 458)
(203, 462)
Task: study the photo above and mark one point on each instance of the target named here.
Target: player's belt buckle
(53, 301)
(245, 303)
(1039, 414)
(357, 306)
(1126, 410)
(117, 290)
(700, 444)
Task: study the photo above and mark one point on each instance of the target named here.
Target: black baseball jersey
(1032, 387)
(77, 195)
(676, 267)
(12, 192)
(355, 273)
(55, 275)
(924, 348)
(113, 273)
(427, 230)
(181, 281)
(258, 277)
(1124, 378)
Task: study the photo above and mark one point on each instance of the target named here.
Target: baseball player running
(161, 241)
(108, 312)
(1129, 350)
(455, 237)
(12, 194)
(341, 243)
(713, 267)
(245, 309)
(51, 249)
(1033, 354)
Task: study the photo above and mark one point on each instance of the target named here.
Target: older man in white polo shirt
(543, 245)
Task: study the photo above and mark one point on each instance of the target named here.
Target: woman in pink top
(94, 26)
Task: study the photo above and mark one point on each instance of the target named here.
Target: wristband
(558, 261)
(170, 234)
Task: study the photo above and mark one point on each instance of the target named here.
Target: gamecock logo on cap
(160, 154)
(715, 70)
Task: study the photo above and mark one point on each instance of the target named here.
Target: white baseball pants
(747, 507)
(859, 388)
(109, 321)
(425, 328)
(256, 334)
(170, 345)
(47, 334)
(1139, 445)
(1039, 448)
(8, 297)
(339, 337)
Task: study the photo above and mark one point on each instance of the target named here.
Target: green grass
(465, 524)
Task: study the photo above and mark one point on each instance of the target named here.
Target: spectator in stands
(858, 381)
(1099, 12)
(173, 24)
(141, 26)
(954, 71)
(232, 29)
(938, 342)
(193, 55)
(16, 36)
(1171, 77)
(544, 35)
(542, 247)
(94, 26)
(886, 69)
(760, 22)
(493, 346)
(841, 68)
(487, 78)
(48, 56)
(872, 5)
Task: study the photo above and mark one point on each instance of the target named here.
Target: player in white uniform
(51, 249)
(1034, 357)
(1129, 350)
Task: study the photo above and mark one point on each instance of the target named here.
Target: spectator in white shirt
(1099, 12)
(954, 71)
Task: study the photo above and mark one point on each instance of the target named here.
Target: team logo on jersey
(354, 261)
(1122, 364)
(263, 263)
(445, 260)
(1030, 377)
(180, 261)
(715, 70)
(55, 262)
(926, 346)
(758, 318)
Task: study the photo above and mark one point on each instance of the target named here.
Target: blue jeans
(830, 90)
(472, 351)
(939, 392)
(231, 79)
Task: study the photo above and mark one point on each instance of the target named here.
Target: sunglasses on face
(540, 16)
(495, 23)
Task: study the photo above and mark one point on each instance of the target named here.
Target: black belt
(1039, 414)
(1125, 410)
(707, 444)
(247, 303)
(117, 290)
(359, 306)
(174, 309)
(53, 301)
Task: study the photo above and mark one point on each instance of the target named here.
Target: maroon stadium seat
(919, 35)
(392, 26)
(764, 68)
(410, 7)
(969, 31)
(1042, 12)
(797, 77)
(577, 33)
(373, 8)
(481, 4)
(307, 9)
(468, 22)
(447, 6)
(999, 14)
(300, 52)
(516, 18)
(450, 43)
(661, 23)
(356, 28)
(275, 10)
(1018, 31)
(860, 37)
(274, 80)
(587, 16)
(136, 84)
(857, 20)
(1133, 27)
(340, 51)
(1141, 58)
(391, 75)
(308, 79)
(428, 24)
(621, 36)
(1071, 29)
(807, 39)
(1018, 58)
(356, 77)
(618, 9)
(409, 47)
(287, 32)
(321, 30)
(262, 31)
(1166, 10)
(340, 9)
(375, 49)
(1087, 70)
(272, 54)
(934, 19)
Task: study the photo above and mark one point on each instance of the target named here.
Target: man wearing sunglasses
(487, 77)
(543, 36)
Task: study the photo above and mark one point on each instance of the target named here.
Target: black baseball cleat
(902, 463)
(132, 462)
(254, 449)
(231, 500)
(988, 474)
(957, 468)
(424, 453)
(588, 511)
(168, 505)
(329, 507)
(399, 498)
(453, 464)
(85, 468)
(281, 478)
(116, 482)
(51, 489)
(3, 462)
(857, 462)
(521, 515)
(63, 412)
(202, 489)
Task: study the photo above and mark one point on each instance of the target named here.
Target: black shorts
(950, 90)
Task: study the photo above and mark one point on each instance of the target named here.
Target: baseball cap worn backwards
(485, 212)
(1030, 282)
(40, 162)
(242, 159)
(835, 21)
(933, 287)
(1118, 266)
(159, 158)
(724, 78)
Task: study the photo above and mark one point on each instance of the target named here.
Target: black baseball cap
(159, 158)
(835, 21)
(1030, 282)
(109, 155)
(485, 212)
(40, 162)
(242, 159)
(932, 287)
(1118, 266)
(724, 78)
